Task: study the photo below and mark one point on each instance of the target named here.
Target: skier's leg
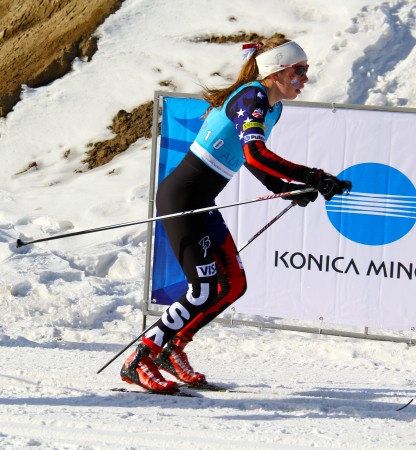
(231, 286)
(192, 245)
(232, 282)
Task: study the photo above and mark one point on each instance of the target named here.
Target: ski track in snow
(50, 398)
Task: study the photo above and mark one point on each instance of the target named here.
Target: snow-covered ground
(68, 306)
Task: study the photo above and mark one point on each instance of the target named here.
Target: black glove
(327, 184)
(300, 199)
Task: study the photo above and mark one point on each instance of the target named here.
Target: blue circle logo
(380, 209)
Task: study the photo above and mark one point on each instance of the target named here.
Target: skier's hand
(331, 186)
(302, 199)
(328, 185)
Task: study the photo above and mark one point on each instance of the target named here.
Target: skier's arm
(277, 185)
(274, 184)
(326, 184)
(249, 107)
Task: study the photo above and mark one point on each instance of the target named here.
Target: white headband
(279, 57)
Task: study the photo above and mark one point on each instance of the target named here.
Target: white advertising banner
(349, 261)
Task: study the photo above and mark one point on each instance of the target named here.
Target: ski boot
(141, 369)
(174, 360)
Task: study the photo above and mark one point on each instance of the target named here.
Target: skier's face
(292, 80)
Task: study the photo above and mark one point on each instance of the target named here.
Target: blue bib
(218, 144)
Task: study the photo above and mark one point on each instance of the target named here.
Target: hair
(249, 72)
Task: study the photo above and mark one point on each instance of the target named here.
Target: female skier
(234, 133)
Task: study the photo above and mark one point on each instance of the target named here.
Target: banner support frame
(146, 311)
(151, 207)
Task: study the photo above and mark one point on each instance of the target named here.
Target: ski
(214, 388)
(145, 392)
(205, 387)
(406, 405)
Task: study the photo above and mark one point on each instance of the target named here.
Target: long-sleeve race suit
(230, 137)
(236, 134)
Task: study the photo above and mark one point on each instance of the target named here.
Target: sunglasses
(300, 71)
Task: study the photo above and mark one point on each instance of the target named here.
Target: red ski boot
(174, 360)
(141, 369)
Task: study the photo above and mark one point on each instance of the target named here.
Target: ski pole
(20, 243)
(268, 225)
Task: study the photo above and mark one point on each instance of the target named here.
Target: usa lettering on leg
(174, 317)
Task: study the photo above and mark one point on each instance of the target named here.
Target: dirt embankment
(39, 39)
